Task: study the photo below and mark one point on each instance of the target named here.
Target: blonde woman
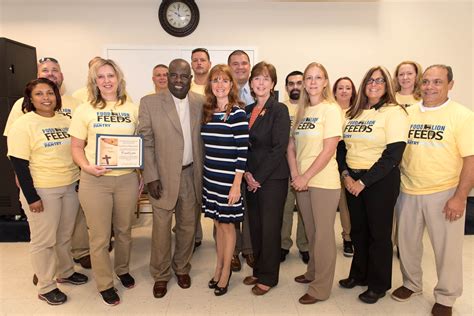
(407, 82)
(314, 175)
(375, 135)
(107, 196)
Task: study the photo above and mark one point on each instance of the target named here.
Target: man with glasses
(437, 173)
(170, 123)
(293, 86)
(239, 63)
(48, 67)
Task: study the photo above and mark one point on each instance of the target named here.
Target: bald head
(179, 78)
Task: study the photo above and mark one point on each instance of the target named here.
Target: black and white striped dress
(225, 148)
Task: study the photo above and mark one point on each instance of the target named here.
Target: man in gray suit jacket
(170, 122)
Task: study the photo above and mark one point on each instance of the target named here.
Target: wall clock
(179, 17)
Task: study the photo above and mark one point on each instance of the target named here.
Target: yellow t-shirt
(198, 88)
(292, 110)
(319, 122)
(406, 100)
(69, 104)
(46, 144)
(367, 135)
(437, 142)
(83, 95)
(113, 119)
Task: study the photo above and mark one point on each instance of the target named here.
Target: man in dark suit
(170, 123)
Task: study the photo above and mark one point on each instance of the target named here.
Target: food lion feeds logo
(55, 136)
(426, 134)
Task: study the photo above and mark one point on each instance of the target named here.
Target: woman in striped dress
(225, 136)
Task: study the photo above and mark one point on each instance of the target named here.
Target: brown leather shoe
(302, 279)
(441, 310)
(250, 260)
(250, 280)
(403, 294)
(184, 280)
(235, 263)
(159, 289)
(259, 291)
(308, 299)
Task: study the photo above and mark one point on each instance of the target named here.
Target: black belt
(359, 170)
(186, 166)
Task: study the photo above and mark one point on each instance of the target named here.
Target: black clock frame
(179, 32)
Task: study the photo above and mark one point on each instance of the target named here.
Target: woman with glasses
(407, 82)
(107, 196)
(374, 138)
(225, 136)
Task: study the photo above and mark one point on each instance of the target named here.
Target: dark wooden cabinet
(17, 67)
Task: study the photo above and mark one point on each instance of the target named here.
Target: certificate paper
(119, 151)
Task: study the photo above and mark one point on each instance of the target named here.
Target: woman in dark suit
(266, 177)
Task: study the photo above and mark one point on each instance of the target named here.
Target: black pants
(265, 210)
(371, 231)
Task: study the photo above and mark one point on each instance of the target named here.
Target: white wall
(347, 38)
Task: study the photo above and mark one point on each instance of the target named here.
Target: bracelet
(360, 181)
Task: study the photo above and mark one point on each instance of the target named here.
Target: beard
(295, 94)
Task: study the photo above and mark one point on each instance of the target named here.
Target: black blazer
(268, 141)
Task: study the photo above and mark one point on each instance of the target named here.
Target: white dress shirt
(182, 107)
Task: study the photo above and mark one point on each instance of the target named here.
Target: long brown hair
(210, 105)
(387, 99)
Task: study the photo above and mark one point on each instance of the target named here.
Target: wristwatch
(360, 181)
(344, 174)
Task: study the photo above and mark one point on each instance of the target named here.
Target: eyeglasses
(182, 76)
(376, 81)
(45, 59)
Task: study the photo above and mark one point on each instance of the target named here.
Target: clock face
(178, 14)
(178, 17)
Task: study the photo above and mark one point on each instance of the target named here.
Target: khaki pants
(344, 215)
(318, 208)
(414, 212)
(287, 225)
(80, 237)
(186, 214)
(109, 200)
(51, 232)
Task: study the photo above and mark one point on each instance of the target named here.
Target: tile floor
(18, 295)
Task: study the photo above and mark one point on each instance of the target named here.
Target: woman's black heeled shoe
(212, 283)
(218, 291)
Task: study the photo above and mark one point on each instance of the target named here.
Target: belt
(186, 166)
(359, 170)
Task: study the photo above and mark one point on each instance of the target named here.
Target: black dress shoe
(85, 262)
(371, 297)
(349, 283)
(212, 283)
(283, 253)
(304, 256)
(219, 291)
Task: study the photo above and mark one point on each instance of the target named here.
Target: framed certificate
(119, 151)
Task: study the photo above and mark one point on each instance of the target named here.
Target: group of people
(221, 144)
